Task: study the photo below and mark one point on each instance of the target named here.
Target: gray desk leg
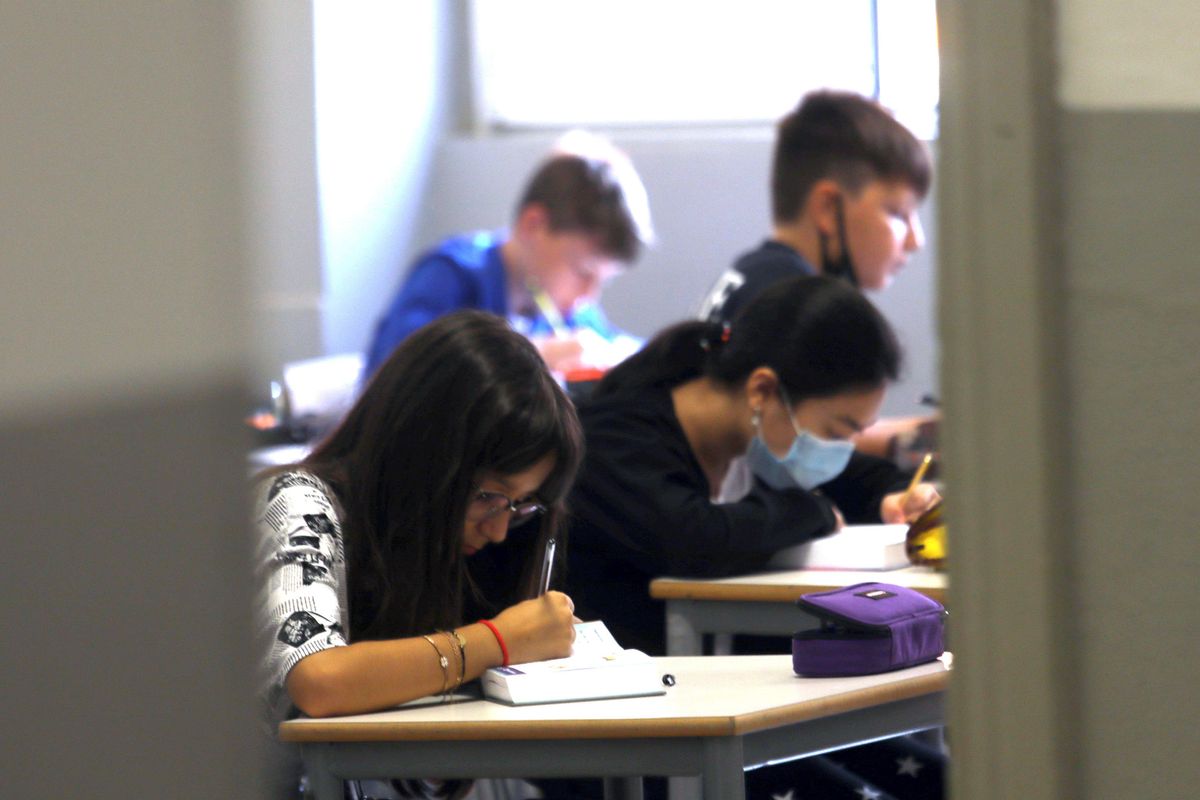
(683, 787)
(723, 774)
(934, 737)
(622, 789)
(322, 784)
(682, 638)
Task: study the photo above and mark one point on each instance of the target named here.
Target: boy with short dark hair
(581, 219)
(846, 182)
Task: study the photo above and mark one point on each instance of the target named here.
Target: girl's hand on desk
(904, 507)
(538, 629)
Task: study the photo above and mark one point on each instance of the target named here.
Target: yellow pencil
(916, 478)
(550, 312)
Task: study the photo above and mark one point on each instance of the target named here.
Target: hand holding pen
(561, 350)
(550, 313)
(906, 506)
(540, 628)
(543, 627)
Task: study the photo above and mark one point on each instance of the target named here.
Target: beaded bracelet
(445, 664)
(499, 639)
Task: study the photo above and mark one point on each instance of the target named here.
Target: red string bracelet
(499, 639)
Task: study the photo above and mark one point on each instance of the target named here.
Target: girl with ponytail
(774, 398)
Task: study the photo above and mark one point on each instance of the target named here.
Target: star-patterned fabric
(903, 768)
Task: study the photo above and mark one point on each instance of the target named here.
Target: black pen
(547, 566)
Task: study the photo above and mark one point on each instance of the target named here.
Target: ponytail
(674, 356)
(820, 336)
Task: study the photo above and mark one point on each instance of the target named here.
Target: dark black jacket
(753, 273)
(641, 509)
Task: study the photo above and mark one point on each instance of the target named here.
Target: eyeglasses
(488, 504)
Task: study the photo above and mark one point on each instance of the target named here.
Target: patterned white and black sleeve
(302, 606)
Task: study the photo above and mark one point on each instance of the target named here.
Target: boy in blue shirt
(581, 220)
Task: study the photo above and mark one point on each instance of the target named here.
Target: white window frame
(512, 40)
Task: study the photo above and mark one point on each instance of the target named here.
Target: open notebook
(853, 547)
(597, 668)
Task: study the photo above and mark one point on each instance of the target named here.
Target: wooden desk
(763, 603)
(724, 714)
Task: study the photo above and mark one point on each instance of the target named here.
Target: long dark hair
(460, 397)
(820, 336)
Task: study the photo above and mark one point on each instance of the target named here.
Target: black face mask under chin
(841, 267)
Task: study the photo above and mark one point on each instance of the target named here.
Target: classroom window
(550, 63)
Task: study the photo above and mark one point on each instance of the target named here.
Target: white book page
(593, 639)
(594, 645)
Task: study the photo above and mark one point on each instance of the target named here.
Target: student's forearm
(374, 675)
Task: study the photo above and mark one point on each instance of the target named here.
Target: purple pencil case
(867, 628)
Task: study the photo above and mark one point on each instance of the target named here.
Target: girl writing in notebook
(396, 561)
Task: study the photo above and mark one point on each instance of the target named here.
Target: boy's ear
(821, 206)
(531, 220)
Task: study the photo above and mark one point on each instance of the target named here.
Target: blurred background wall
(124, 355)
(1070, 326)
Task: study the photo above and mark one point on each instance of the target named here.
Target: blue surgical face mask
(810, 461)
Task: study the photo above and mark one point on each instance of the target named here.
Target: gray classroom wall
(1071, 333)
(123, 353)
(1130, 127)
(1133, 354)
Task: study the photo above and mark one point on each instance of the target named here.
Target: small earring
(756, 418)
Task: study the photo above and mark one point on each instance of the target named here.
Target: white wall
(286, 279)
(380, 102)
(348, 102)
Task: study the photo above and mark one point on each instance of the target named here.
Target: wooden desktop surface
(713, 696)
(786, 586)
